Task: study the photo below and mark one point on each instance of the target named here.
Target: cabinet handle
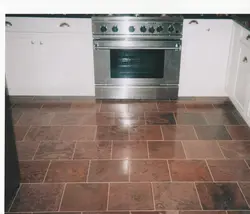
(245, 59)
(41, 43)
(32, 42)
(248, 37)
(8, 24)
(193, 21)
(64, 24)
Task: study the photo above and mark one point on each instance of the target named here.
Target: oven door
(137, 62)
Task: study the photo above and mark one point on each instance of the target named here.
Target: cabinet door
(20, 60)
(242, 80)
(205, 51)
(66, 66)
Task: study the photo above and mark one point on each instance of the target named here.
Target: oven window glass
(137, 63)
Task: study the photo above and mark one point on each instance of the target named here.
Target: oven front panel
(136, 66)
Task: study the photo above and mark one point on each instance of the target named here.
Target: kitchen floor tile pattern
(127, 157)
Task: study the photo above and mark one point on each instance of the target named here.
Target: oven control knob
(171, 28)
(115, 29)
(103, 28)
(131, 29)
(159, 29)
(151, 30)
(143, 29)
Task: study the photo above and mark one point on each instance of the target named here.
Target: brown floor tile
(235, 149)
(108, 212)
(202, 150)
(38, 197)
(130, 196)
(223, 118)
(212, 133)
(156, 212)
(26, 149)
(27, 107)
(238, 212)
(37, 133)
(239, 118)
(158, 118)
(166, 150)
(93, 150)
(56, 107)
(87, 197)
(114, 107)
(20, 132)
(35, 118)
(112, 133)
(67, 119)
(202, 212)
(229, 170)
(129, 121)
(78, 133)
(175, 196)
(67, 171)
(56, 213)
(105, 118)
(221, 196)
(226, 106)
(245, 187)
(189, 170)
(129, 150)
(141, 107)
(171, 106)
(33, 171)
(239, 132)
(85, 107)
(149, 170)
(145, 133)
(190, 118)
(178, 133)
(199, 107)
(55, 150)
(108, 171)
(16, 114)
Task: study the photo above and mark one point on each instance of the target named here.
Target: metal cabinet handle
(245, 59)
(193, 21)
(64, 24)
(8, 24)
(248, 37)
(32, 42)
(41, 43)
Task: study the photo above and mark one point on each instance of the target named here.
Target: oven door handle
(135, 47)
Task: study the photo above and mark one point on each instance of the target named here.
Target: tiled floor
(132, 157)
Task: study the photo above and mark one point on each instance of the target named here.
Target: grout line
(162, 133)
(40, 142)
(129, 165)
(95, 133)
(228, 132)
(153, 197)
(74, 151)
(243, 194)
(51, 117)
(198, 195)
(204, 115)
(147, 149)
(195, 132)
(170, 176)
(26, 133)
(108, 196)
(15, 197)
(221, 150)
(64, 187)
(209, 171)
(16, 123)
(47, 171)
(184, 150)
(111, 150)
(157, 106)
(246, 163)
(87, 177)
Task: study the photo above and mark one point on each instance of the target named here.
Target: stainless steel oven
(132, 64)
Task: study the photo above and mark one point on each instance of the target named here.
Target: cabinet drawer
(245, 37)
(47, 25)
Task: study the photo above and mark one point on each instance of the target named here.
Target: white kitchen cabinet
(205, 51)
(59, 63)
